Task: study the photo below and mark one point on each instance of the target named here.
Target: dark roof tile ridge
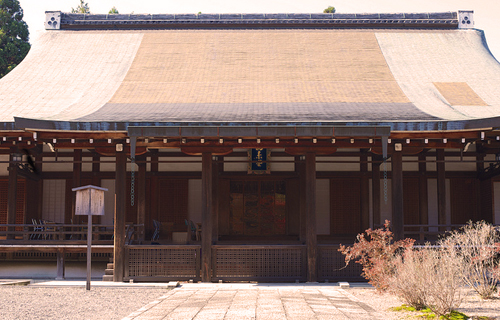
(259, 16)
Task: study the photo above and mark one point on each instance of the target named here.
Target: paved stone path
(252, 301)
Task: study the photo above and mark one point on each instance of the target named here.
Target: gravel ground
(472, 305)
(25, 302)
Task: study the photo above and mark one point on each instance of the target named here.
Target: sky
(485, 11)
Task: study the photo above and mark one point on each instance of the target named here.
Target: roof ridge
(439, 20)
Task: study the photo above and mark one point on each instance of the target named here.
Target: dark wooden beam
(206, 216)
(120, 216)
(376, 189)
(39, 198)
(77, 182)
(216, 168)
(423, 197)
(365, 191)
(397, 195)
(311, 235)
(485, 187)
(154, 194)
(448, 134)
(141, 196)
(300, 170)
(81, 135)
(215, 150)
(441, 186)
(12, 193)
(96, 168)
(60, 275)
(297, 151)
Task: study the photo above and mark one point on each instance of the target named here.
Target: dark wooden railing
(428, 232)
(54, 233)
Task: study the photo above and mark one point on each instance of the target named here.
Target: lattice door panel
(331, 265)
(180, 263)
(260, 263)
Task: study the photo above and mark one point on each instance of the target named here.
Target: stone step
(109, 271)
(110, 266)
(107, 277)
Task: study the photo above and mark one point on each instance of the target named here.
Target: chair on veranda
(36, 229)
(192, 229)
(129, 234)
(156, 233)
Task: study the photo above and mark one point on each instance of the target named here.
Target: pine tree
(330, 9)
(14, 36)
(83, 7)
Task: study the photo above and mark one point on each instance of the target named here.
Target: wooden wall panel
(345, 206)
(224, 200)
(464, 202)
(173, 202)
(292, 207)
(486, 198)
(20, 203)
(411, 200)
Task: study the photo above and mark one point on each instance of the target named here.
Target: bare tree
(477, 246)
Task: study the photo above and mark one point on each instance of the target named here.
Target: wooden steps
(109, 271)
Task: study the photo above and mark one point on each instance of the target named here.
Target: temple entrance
(257, 208)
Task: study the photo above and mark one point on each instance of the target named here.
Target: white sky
(486, 12)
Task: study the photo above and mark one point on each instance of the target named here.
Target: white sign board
(89, 200)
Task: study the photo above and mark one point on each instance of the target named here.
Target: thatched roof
(410, 79)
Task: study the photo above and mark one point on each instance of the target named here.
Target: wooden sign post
(89, 202)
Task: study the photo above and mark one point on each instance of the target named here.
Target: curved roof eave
(26, 123)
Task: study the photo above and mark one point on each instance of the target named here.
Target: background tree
(83, 7)
(330, 9)
(113, 10)
(14, 36)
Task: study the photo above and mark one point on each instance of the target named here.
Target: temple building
(243, 147)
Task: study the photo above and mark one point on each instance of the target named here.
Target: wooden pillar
(423, 197)
(96, 180)
(77, 177)
(441, 186)
(397, 195)
(120, 213)
(34, 188)
(310, 206)
(12, 193)
(141, 196)
(300, 169)
(60, 265)
(154, 193)
(39, 198)
(216, 168)
(376, 189)
(206, 216)
(96, 168)
(365, 191)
